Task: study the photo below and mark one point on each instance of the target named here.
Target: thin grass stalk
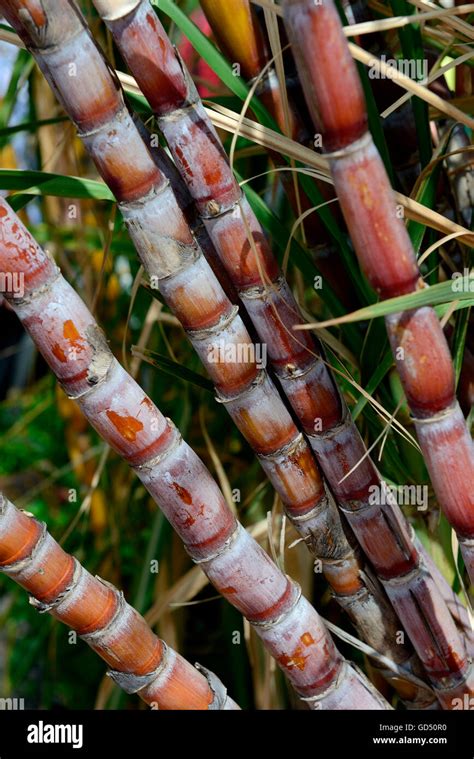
(139, 661)
(310, 387)
(169, 253)
(74, 347)
(385, 253)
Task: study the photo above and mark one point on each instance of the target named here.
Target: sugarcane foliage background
(55, 466)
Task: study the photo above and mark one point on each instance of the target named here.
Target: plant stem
(139, 661)
(246, 43)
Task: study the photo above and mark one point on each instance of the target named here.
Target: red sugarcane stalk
(237, 30)
(72, 344)
(189, 211)
(168, 251)
(380, 526)
(385, 252)
(139, 661)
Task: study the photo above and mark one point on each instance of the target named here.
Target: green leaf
(160, 533)
(139, 104)
(373, 383)
(30, 126)
(443, 309)
(426, 195)
(439, 546)
(166, 365)
(459, 339)
(375, 124)
(451, 51)
(20, 200)
(21, 70)
(59, 185)
(442, 295)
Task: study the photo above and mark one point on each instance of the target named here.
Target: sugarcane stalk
(139, 661)
(74, 347)
(379, 524)
(189, 211)
(385, 252)
(169, 253)
(237, 30)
